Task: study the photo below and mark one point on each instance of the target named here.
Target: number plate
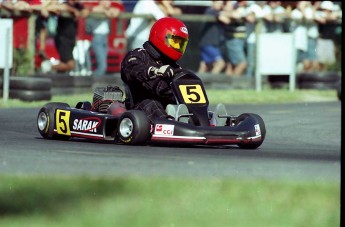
(192, 94)
(62, 122)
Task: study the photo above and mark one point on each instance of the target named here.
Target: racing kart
(117, 121)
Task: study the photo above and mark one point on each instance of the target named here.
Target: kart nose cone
(42, 121)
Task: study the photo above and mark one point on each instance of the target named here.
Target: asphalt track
(303, 142)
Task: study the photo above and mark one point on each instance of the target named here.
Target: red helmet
(170, 36)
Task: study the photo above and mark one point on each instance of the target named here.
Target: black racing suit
(150, 94)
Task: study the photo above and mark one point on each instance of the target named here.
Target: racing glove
(165, 71)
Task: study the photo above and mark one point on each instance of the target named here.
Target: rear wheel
(254, 130)
(134, 127)
(46, 120)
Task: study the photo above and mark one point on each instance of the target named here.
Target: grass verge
(80, 201)
(215, 96)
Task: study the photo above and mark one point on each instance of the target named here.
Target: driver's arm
(135, 69)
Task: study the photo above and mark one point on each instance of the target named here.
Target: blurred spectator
(299, 30)
(100, 28)
(168, 8)
(306, 34)
(139, 28)
(44, 10)
(277, 18)
(17, 5)
(311, 63)
(258, 16)
(65, 38)
(326, 49)
(235, 36)
(210, 43)
(129, 5)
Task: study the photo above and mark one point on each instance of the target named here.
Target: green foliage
(73, 201)
(22, 62)
(38, 194)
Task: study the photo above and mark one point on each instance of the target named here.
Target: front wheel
(46, 120)
(256, 126)
(134, 127)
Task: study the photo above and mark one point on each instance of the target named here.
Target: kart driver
(148, 71)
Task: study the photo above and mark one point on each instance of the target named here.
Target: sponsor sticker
(257, 130)
(162, 129)
(89, 124)
(184, 30)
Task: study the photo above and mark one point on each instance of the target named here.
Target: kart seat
(84, 105)
(129, 103)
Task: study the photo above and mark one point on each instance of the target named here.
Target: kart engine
(103, 97)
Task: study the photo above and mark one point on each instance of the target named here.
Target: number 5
(192, 94)
(62, 122)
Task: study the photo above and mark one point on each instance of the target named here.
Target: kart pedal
(220, 115)
(182, 113)
(178, 112)
(171, 110)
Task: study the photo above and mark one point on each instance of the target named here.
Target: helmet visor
(176, 42)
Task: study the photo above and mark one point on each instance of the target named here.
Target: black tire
(134, 127)
(318, 85)
(46, 120)
(256, 118)
(326, 77)
(278, 81)
(30, 83)
(319, 80)
(278, 78)
(29, 95)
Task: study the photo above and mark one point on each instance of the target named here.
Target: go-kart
(118, 122)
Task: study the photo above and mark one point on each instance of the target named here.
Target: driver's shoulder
(138, 54)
